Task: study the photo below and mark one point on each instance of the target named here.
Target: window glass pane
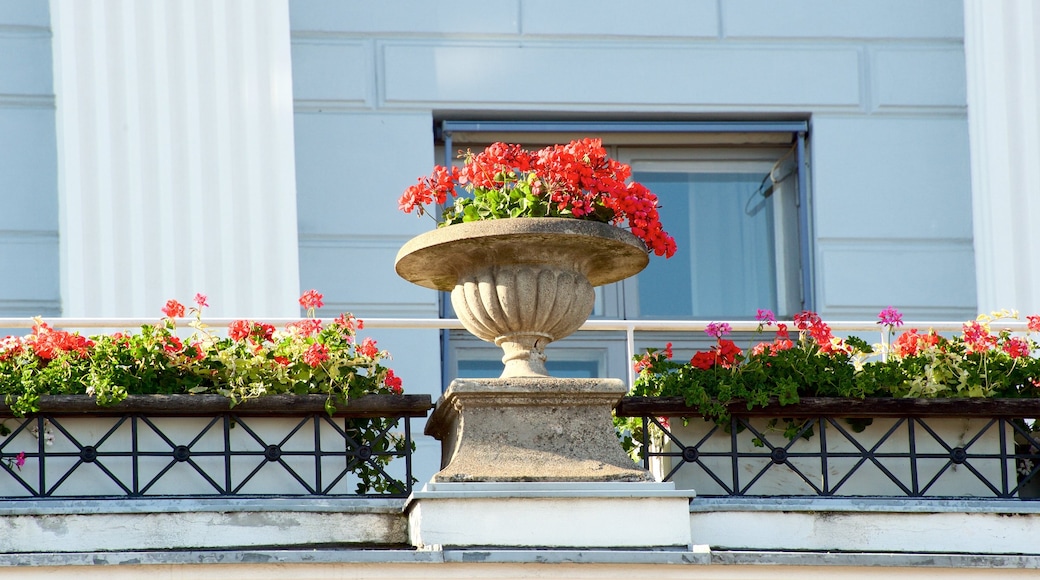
(567, 369)
(725, 267)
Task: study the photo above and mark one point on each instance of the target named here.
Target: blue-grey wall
(882, 82)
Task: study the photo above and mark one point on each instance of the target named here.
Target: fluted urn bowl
(522, 283)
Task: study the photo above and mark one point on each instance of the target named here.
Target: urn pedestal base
(535, 462)
(550, 515)
(531, 429)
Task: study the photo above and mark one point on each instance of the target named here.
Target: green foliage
(979, 364)
(253, 360)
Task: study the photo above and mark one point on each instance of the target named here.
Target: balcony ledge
(459, 563)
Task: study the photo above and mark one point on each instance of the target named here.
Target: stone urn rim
(604, 253)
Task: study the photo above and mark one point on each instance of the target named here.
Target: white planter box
(197, 446)
(782, 467)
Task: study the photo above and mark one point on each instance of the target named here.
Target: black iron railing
(914, 448)
(198, 446)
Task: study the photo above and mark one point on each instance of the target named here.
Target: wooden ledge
(367, 406)
(841, 407)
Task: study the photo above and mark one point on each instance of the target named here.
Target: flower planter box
(184, 445)
(911, 448)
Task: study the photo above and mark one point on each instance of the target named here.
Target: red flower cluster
(1016, 347)
(652, 356)
(910, 342)
(349, 323)
(810, 322)
(305, 327)
(316, 354)
(977, 337)
(723, 354)
(429, 190)
(174, 309)
(1033, 322)
(368, 348)
(173, 345)
(576, 180)
(393, 382)
(312, 299)
(773, 348)
(46, 342)
(256, 332)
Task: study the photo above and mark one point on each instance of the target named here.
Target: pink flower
(765, 316)
(890, 317)
(718, 329)
(173, 309)
(19, 460)
(311, 299)
(200, 299)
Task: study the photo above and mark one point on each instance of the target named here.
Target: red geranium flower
(312, 299)
(173, 309)
(575, 180)
(316, 354)
(368, 348)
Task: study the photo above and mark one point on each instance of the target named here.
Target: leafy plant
(979, 363)
(253, 359)
(576, 180)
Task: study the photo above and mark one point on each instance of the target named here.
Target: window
(733, 196)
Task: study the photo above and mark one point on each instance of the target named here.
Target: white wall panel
(875, 19)
(637, 75)
(1002, 45)
(896, 177)
(175, 143)
(676, 18)
(919, 77)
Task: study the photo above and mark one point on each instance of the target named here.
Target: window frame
(728, 134)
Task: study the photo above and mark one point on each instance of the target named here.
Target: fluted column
(175, 155)
(1002, 49)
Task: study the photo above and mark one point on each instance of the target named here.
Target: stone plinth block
(550, 515)
(531, 429)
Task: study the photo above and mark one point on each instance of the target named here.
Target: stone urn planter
(521, 284)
